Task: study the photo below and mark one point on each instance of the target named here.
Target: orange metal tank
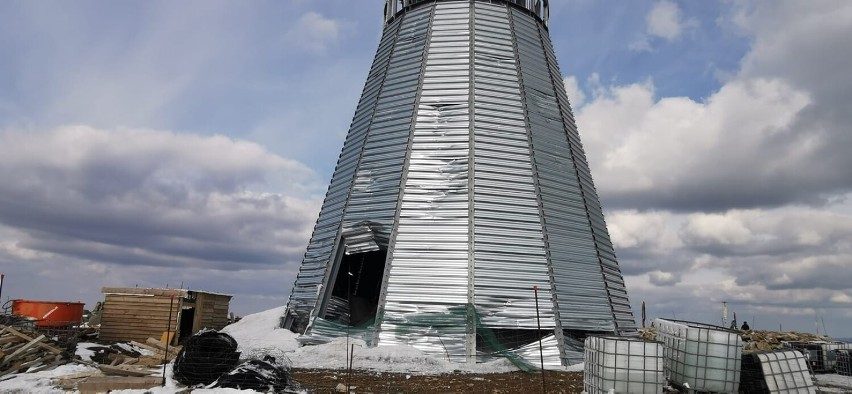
(50, 313)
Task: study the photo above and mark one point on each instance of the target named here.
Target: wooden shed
(138, 314)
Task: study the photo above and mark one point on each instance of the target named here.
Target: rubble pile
(24, 350)
(119, 366)
(756, 340)
(132, 365)
(771, 340)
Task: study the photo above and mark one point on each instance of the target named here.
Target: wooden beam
(134, 290)
(123, 370)
(23, 349)
(160, 345)
(29, 338)
(98, 384)
(172, 353)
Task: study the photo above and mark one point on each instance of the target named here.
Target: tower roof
(539, 8)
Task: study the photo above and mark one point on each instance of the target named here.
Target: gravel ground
(326, 381)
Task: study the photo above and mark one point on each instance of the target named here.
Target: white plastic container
(705, 357)
(786, 371)
(623, 364)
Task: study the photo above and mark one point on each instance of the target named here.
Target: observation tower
(462, 186)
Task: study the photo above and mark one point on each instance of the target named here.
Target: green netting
(452, 323)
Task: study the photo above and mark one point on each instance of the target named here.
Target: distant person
(745, 326)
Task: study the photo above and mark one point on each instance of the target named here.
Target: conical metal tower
(461, 186)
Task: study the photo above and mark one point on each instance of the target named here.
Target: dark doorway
(187, 317)
(355, 293)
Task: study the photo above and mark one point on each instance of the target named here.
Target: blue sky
(161, 143)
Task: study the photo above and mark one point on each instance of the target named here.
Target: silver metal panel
(507, 222)
(426, 295)
(550, 353)
(375, 193)
(581, 294)
(613, 279)
(306, 288)
(464, 163)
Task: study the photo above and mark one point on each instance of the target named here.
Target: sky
(189, 144)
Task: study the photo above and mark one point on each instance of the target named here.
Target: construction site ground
(328, 381)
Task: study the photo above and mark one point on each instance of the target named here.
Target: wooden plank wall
(137, 317)
(211, 311)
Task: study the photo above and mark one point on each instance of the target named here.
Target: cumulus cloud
(740, 147)
(663, 21)
(775, 133)
(752, 181)
(791, 260)
(630, 229)
(719, 229)
(661, 278)
(313, 32)
(574, 92)
(152, 198)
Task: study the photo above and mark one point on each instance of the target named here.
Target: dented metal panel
(464, 165)
(509, 245)
(434, 200)
(581, 293)
(306, 288)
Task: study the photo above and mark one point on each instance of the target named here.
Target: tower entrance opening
(356, 288)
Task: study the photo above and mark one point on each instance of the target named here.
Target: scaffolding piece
(461, 185)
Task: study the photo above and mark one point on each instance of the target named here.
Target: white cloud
(664, 20)
(716, 228)
(674, 150)
(841, 298)
(152, 198)
(629, 229)
(313, 32)
(660, 278)
(14, 250)
(575, 94)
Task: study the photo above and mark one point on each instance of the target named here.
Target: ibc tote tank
(706, 357)
(623, 364)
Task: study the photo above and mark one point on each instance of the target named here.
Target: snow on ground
(403, 359)
(40, 382)
(260, 331)
(837, 383)
(84, 350)
(259, 335)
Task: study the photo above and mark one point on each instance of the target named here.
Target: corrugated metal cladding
(464, 173)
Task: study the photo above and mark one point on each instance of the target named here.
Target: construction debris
(770, 340)
(258, 375)
(756, 340)
(119, 366)
(22, 350)
(104, 384)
